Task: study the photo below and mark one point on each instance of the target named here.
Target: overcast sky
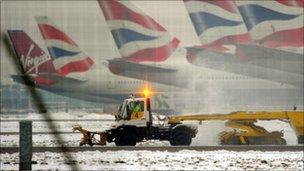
(85, 24)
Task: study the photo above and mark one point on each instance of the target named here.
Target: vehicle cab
(133, 111)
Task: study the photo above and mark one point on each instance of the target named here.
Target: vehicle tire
(181, 137)
(125, 137)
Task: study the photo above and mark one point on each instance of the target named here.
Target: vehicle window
(138, 106)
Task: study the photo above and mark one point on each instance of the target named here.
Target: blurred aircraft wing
(145, 72)
(273, 58)
(231, 63)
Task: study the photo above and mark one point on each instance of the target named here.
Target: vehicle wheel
(125, 138)
(181, 137)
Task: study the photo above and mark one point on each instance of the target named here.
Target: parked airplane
(276, 24)
(147, 37)
(224, 48)
(161, 62)
(137, 35)
(64, 80)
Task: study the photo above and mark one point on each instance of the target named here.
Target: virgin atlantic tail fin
(32, 58)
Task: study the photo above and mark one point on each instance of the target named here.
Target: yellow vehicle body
(137, 115)
(245, 131)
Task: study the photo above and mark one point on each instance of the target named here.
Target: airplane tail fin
(67, 57)
(33, 60)
(275, 24)
(217, 23)
(138, 37)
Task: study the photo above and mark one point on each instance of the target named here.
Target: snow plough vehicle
(134, 123)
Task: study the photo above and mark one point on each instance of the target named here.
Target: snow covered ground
(103, 122)
(143, 160)
(207, 132)
(162, 160)
(77, 115)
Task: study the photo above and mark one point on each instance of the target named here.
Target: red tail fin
(32, 58)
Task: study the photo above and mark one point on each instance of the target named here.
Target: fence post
(25, 145)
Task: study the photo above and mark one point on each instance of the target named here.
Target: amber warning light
(147, 92)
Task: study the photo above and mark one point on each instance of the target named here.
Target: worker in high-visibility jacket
(137, 107)
(137, 111)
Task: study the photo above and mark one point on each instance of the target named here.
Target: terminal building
(16, 99)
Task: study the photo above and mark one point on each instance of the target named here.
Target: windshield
(130, 109)
(121, 111)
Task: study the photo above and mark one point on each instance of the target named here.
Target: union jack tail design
(138, 37)
(292, 3)
(67, 56)
(217, 23)
(33, 59)
(274, 24)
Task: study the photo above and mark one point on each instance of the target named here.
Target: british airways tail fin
(138, 37)
(67, 57)
(275, 24)
(217, 22)
(32, 58)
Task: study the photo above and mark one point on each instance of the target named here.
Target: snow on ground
(58, 115)
(69, 140)
(49, 140)
(207, 132)
(144, 160)
(63, 126)
(162, 160)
